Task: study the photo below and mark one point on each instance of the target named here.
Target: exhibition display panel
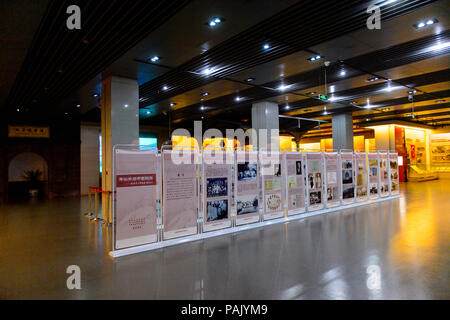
(180, 193)
(384, 174)
(393, 173)
(295, 182)
(347, 178)
(314, 181)
(246, 194)
(217, 182)
(136, 196)
(333, 198)
(361, 176)
(175, 196)
(373, 171)
(271, 171)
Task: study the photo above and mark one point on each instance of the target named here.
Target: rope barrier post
(96, 206)
(89, 201)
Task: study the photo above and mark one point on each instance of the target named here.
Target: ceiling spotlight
(215, 21)
(95, 95)
(172, 104)
(125, 106)
(283, 87)
(238, 99)
(18, 110)
(353, 102)
(385, 109)
(312, 93)
(202, 108)
(314, 58)
(372, 79)
(65, 113)
(78, 105)
(422, 24)
(287, 107)
(266, 46)
(203, 117)
(250, 79)
(439, 101)
(412, 91)
(439, 46)
(342, 73)
(148, 112)
(204, 94)
(154, 59)
(367, 119)
(165, 88)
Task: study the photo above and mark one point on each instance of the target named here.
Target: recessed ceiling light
(205, 94)
(172, 104)
(18, 110)
(125, 106)
(372, 79)
(148, 112)
(215, 21)
(65, 113)
(283, 87)
(287, 107)
(424, 23)
(202, 117)
(385, 109)
(78, 105)
(314, 58)
(250, 79)
(202, 108)
(439, 101)
(155, 58)
(165, 88)
(342, 73)
(266, 46)
(312, 93)
(238, 99)
(353, 102)
(412, 91)
(95, 95)
(367, 119)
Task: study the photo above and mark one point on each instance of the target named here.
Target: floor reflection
(391, 250)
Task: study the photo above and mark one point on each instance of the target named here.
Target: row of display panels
(173, 194)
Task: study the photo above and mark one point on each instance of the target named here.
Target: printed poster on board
(347, 178)
(333, 198)
(384, 178)
(180, 212)
(272, 171)
(393, 171)
(295, 183)
(314, 181)
(361, 176)
(136, 195)
(247, 187)
(372, 159)
(216, 190)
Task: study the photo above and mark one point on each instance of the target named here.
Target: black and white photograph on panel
(247, 171)
(216, 210)
(216, 187)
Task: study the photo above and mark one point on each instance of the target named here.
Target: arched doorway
(20, 170)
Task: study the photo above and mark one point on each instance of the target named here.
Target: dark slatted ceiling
(299, 27)
(109, 29)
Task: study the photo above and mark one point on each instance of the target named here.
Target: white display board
(373, 175)
(393, 173)
(361, 176)
(384, 174)
(247, 186)
(295, 182)
(136, 189)
(216, 191)
(314, 181)
(272, 171)
(180, 193)
(332, 181)
(347, 177)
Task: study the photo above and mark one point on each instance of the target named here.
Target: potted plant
(32, 176)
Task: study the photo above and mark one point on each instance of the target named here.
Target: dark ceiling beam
(244, 51)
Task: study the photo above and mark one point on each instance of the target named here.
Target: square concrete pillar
(342, 128)
(265, 116)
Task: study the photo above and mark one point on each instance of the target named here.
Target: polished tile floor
(398, 249)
